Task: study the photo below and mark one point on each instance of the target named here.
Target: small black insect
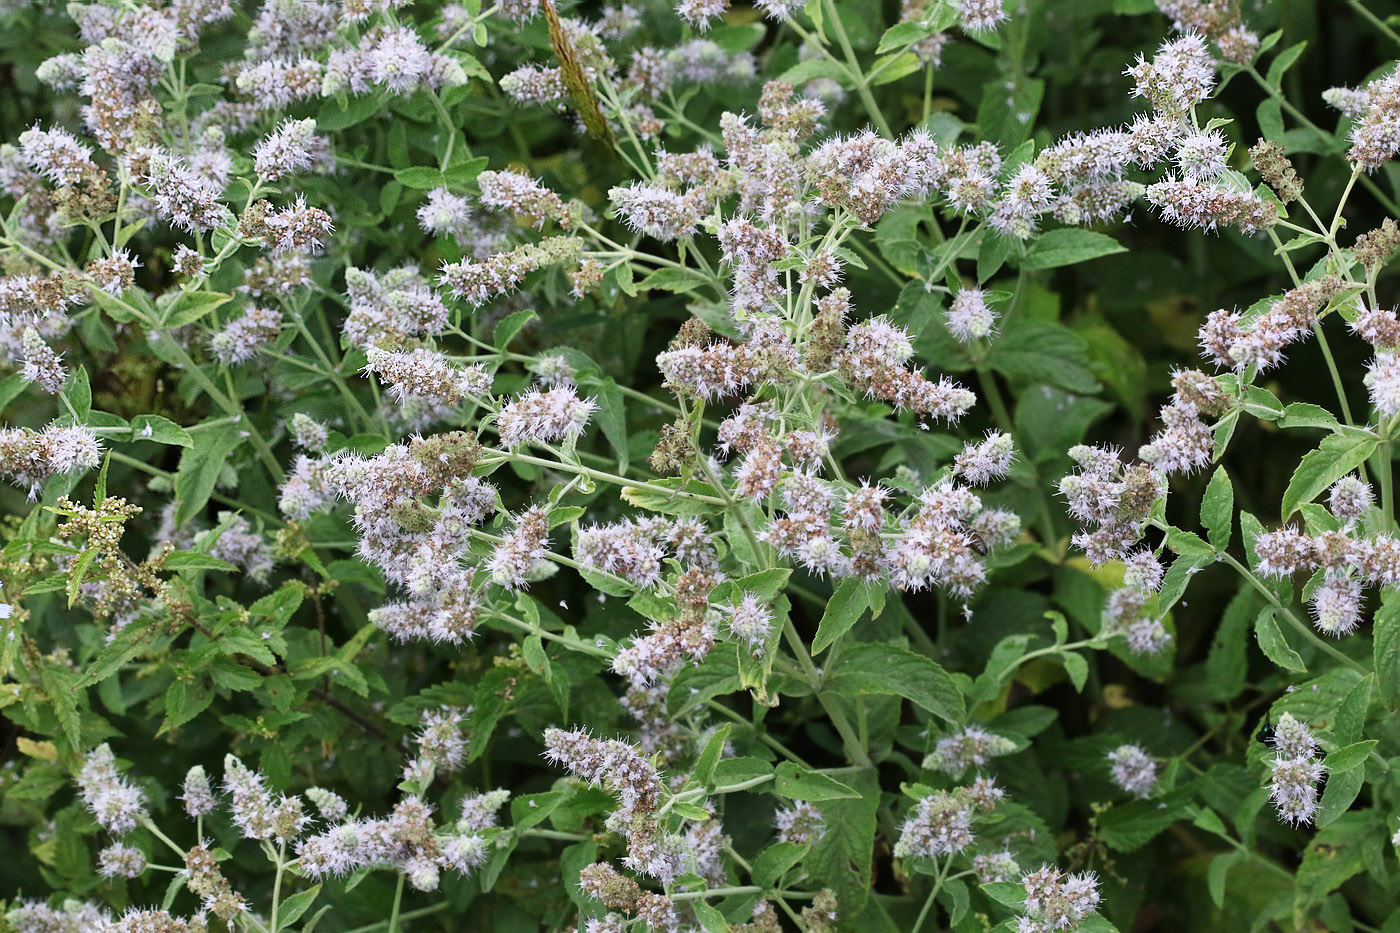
(1266, 731)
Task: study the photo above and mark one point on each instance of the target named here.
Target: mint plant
(625, 467)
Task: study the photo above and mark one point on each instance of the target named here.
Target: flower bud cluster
(969, 748)
(117, 804)
(619, 769)
(1056, 901)
(31, 457)
(1295, 771)
(941, 823)
(1133, 770)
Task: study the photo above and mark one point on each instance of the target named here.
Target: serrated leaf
(776, 860)
(293, 907)
(510, 327)
(1352, 756)
(78, 572)
(709, 756)
(1218, 509)
(797, 783)
(188, 560)
(1068, 246)
(674, 280)
(190, 307)
(1337, 456)
(895, 671)
(200, 467)
(1274, 645)
(843, 610)
(1385, 646)
(160, 430)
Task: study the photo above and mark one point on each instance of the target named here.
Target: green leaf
(740, 770)
(78, 572)
(161, 430)
(77, 391)
(1274, 645)
(1339, 794)
(711, 920)
(189, 307)
(653, 500)
(1307, 415)
(296, 905)
(1129, 826)
(336, 115)
(533, 809)
(184, 700)
(611, 415)
(776, 860)
(1218, 509)
(841, 859)
(674, 280)
(900, 35)
(1385, 645)
(895, 671)
(1337, 456)
(1077, 668)
(843, 610)
(1068, 246)
(1352, 756)
(189, 560)
(893, 67)
(1047, 354)
(797, 783)
(1282, 62)
(690, 811)
(1218, 872)
(425, 178)
(200, 467)
(709, 756)
(510, 326)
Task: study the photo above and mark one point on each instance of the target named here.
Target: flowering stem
(394, 912)
(277, 885)
(572, 643)
(1387, 481)
(1374, 20)
(854, 748)
(555, 834)
(155, 831)
(933, 894)
(1302, 627)
(231, 406)
(1298, 115)
(606, 477)
(985, 379)
(857, 75)
(410, 915)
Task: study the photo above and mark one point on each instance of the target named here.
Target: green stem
(1298, 624)
(277, 886)
(231, 406)
(857, 74)
(410, 915)
(849, 738)
(988, 383)
(932, 895)
(606, 477)
(1374, 20)
(155, 831)
(394, 912)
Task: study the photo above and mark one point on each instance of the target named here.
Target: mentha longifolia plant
(619, 467)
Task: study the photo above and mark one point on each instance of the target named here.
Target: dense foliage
(826, 465)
